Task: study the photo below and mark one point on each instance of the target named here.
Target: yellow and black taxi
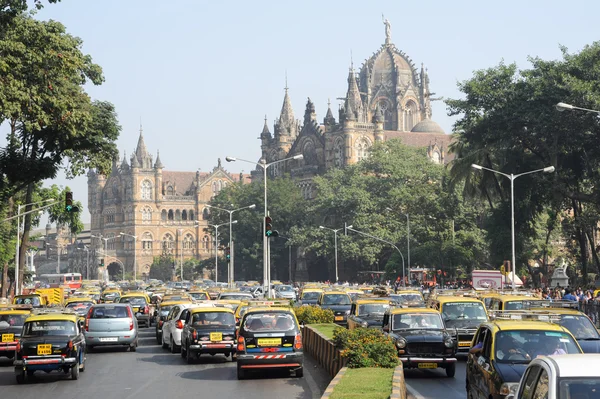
(411, 298)
(504, 346)
(35, 300)
(80, 305)
(199, 295)
(462, 316)
(208, 330)
(578, 323)
(269, 338)
(12, 318)
(339, 302)
(162, 311)
(244, 306)
(368, 313)
(310, 296)
(140, 303)
(52, 340)
(506, 302)
(110, 295)
(421, 338)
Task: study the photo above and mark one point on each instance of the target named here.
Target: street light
(134, 255)
(568, 107)
(87, 250)
(346, 228)
(266, 254)
(105, 253)
(511, 177)
(230, 270)
(216, 226)
(407, 236)
(58, 248)
(335, 231)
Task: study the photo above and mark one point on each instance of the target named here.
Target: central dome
(427, 126)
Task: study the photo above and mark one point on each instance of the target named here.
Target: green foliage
(57, 212)
(366, 347)
(313, 315)
(162, 268)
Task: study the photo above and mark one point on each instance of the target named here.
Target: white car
(174, 323)
(285, 292)
(561, 377)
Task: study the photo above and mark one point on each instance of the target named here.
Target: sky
(202, 75)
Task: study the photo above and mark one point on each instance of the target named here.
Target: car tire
(451, 370)
(30, 373)
(241, 373)
(21, 377)
(90, 348)
(164, 344)
(133, 347)
(158, 339)
(183, 351)
(75, 372)
(299, 372)
(173, 346)
(189, 358)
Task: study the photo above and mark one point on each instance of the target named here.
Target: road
(433, 384)
(152, 372)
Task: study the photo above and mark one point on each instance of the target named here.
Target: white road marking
(414, 393)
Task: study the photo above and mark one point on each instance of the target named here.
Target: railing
(592, 310)
(364, 126)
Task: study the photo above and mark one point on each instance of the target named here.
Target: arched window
(168, 242)
(436, 157)
(188, 241)
(362, 149)
(170, 190)
(220, 185)
(146, 215)
(410, 116)
(147, 241)
(214, 187)
(224, 184)
(338, 153)
(110, 242)
(191, 215)
(184, 215)
(163, 215)
(171, 214)
(205, 214)
(146, 190)
(178, 215)
(205, 241)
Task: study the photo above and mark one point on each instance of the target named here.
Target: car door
(488, 374)
(527, 388)
(169, 324)
(478, 364)
(352, 317)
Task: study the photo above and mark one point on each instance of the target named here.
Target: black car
(421, 339)
(269, 338)
(207, 330)
(12, 318)
(367, 313)
(51, 341)
(339, 303)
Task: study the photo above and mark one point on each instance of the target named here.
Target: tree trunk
(26, 227)
(580, 234)
(594, 253)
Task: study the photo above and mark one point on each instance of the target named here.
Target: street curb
(334, 382)
(398, 383)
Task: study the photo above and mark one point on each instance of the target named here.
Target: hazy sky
(201, 75)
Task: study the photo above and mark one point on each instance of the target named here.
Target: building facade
(158, 210)
(388, 98)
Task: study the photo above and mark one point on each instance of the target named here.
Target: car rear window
(311, 295)
(235, 296)
(200, 319)
(336, 299)
(134, 300)
(14, 319)
(33, 301)
(199, 296)
(271, 321)
(109, 312)
(48, 327)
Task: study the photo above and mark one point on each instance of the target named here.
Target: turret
(354, 105)
(310, 114)
(329, 120)
(286, 125)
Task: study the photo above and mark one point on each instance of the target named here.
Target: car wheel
(133, 347)
(75, 371)
(173, 346)
(183, 351)
(299, 372)
(21, 377)
(90, 348)
(30, 373)
(241, 373)
(189, 358)
(164, 344)
(451, 370)
(158, 338)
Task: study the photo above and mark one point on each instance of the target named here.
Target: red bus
(73, 280)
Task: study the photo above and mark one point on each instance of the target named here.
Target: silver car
(285, 292)
(111, 324)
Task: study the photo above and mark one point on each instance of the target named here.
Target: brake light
(179, 324)
(87, 319)
(298, 341)
(160, 323)
(241, 346)
(146, 310)
(18, 346)
(194, 335)
(70, 345)
(130, 314)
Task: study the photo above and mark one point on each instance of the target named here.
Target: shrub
(313, 315)
(366, 347)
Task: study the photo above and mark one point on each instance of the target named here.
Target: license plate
(8, 337)
(339, 318)
(269, 341)
(428, 365)
(216, 336)
(109, 339)
(44, 349)
(464, 343)
(136, 309)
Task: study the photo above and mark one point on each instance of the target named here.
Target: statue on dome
(388, 30)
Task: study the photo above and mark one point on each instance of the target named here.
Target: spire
(141, 153)
(158, 164)
(310, 114)
(425, 93)
(353, 99)
(265, 130)
(329, 119)
(124, 164)
(286, 124)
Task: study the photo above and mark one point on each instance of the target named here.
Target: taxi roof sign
(525, 316)
(6, 307)
(269, 303)
(557, 304)
(54, 311)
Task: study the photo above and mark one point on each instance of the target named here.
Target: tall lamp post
(216, 226)
(105, 253)
(266, 261)
(230, 271)
(407, 236)
(568, 107)
(134, 254)
(511, 177)
(346, 228)
(335, 231)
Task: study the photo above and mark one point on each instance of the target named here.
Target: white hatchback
(174, 323)
(561, 377)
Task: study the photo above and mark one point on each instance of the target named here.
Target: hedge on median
(313, 315)
(366, 347)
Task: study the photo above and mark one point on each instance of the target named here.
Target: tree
(162, 267)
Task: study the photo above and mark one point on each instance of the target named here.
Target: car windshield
(221, 319)
(372, 308)
(285, 288)
(464, 310)
(14, 320)
(30, 300)
(523, 345)
(235, 296)
(48, 327)
(199, 296)
(80, 307)
(311, 295)
(109, 312)
(275, 321)
(579, 388)
(429, 321)
(580, 326)
(134, 300)
(336, 299)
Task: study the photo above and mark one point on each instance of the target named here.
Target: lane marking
(415, 394)
(312, 385)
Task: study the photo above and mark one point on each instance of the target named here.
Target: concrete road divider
(323, 350)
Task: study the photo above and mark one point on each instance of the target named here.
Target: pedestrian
(568, 296)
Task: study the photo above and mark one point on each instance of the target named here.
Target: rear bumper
(143, 318)
(414, 361)
(272, 360)
(45, 362)
(213, 347)
(7, 349)
(107, 338)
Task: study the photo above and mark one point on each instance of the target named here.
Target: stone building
(165, 210)
(388, 98)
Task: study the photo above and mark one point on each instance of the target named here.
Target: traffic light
(269, 232)
(68, 201)
(228, 253)
(101, 262)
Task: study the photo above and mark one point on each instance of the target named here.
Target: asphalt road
(433, 384)
(153, 372)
